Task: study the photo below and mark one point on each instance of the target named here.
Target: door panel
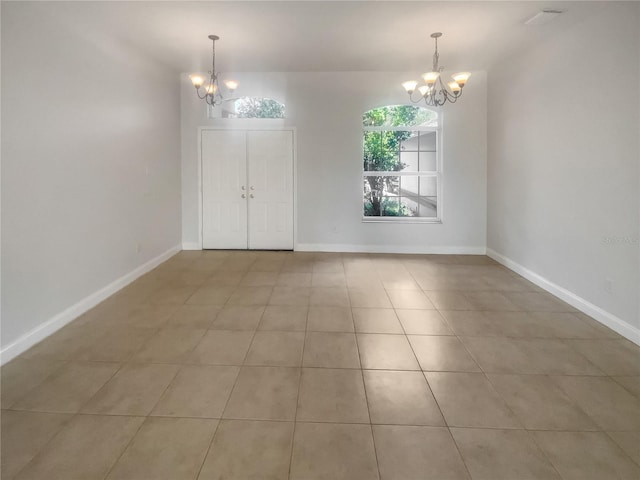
(270, 165)
(224, 173)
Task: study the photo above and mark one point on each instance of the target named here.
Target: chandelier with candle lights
(434, 92)
(210, 92)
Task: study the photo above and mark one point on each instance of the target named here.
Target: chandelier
(434, 92)
(211, 91)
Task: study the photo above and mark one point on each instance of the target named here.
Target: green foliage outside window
(252, 107)
(387, 209)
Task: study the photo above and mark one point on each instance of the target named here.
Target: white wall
(563, 161)
(90, 165)
(326, 108)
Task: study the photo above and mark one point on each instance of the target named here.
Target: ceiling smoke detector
(542, 17)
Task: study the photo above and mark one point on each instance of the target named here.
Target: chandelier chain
(213, 57)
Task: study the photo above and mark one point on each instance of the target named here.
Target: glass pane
(428, 161)
(428, 186)
(369, 209)
(428, 207)
(391, 185)
(428, 199)
(380, 195)
(408, 141)
(399, 115)
(409, 206)
(370, 140)
(390, 206)
(374, 191)
(381, 151)
(370, 197)
(409, 161)
(428, 142)
(409, 186)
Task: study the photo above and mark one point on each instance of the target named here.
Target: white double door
(247, 189)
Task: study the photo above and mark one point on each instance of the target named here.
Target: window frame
(437, 174)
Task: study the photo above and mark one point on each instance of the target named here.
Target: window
(252, 107)
(401, 164)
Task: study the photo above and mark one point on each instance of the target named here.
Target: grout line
(73, 417)
(63, 363)
(43, 447)
(213, 436)
(544, 453)
(204, 459)
(366, 397)
(113, 465)
(519, 429)
(241, 367)
(466, 467)
(295, 415)
(444, 419)
(150, 410)
(608, 434)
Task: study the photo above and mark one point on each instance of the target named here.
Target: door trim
(293, 131)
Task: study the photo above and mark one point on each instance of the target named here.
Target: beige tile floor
(272, 365)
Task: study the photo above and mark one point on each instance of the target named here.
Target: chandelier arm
(439, 94)
(412, 100)
(429, 100)
(201, 97)
(218, 90)
(448, 94)
(451, 99)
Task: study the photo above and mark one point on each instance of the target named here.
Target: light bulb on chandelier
(211, 91)
(434, 92)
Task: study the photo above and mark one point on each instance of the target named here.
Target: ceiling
(267, 36)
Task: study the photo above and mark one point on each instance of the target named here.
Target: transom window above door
(401, 164)
(250, 107)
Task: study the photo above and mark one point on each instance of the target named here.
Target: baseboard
(52, 325)
(412, 249)
(191, 246)
(348, 248)
(617, 324)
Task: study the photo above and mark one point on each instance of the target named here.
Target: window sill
(401, 220)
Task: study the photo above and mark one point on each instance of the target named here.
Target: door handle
(243, 196)
(251, 195)
(252, 187)
(243, 187)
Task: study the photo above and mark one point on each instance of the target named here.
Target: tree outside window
(255, 107)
